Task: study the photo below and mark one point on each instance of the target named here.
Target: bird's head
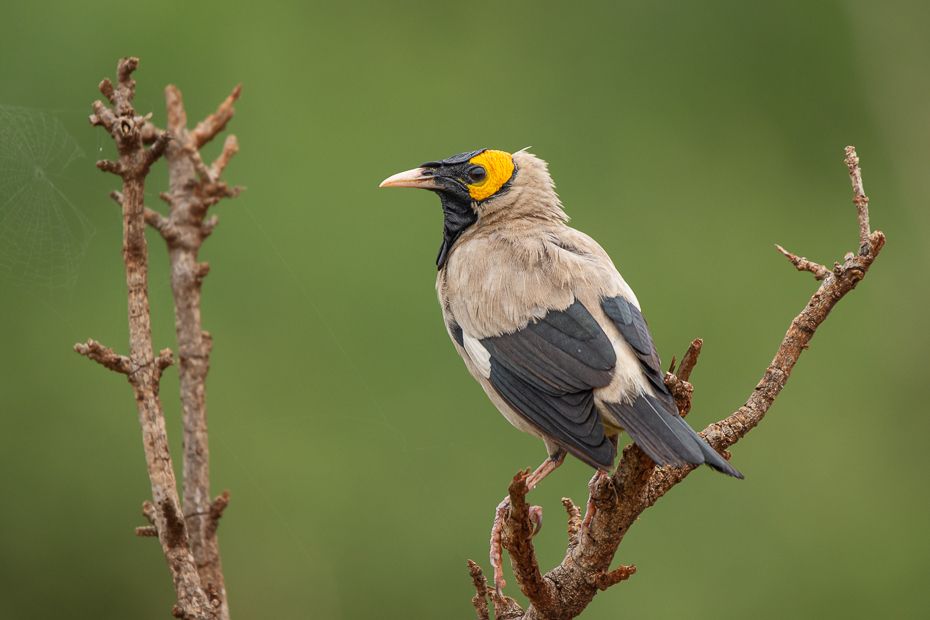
(479, 184)
(467, 178)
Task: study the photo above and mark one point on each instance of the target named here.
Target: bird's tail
(665, 436)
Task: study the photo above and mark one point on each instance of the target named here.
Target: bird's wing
(652, 420)
(547, 371)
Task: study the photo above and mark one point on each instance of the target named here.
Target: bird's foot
(536, 519)
(591, 508)
(497, 545)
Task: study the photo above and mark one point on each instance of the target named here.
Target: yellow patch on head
(499, 168)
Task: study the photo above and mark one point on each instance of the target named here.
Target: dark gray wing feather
(653, 421)
(547, 372)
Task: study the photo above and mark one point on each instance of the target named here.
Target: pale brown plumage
(545, 323)
(518, 262)
(510, 269)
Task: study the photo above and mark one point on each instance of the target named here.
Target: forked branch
(142, 367)
(636, 484)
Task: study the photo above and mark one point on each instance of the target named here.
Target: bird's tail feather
(665, 436)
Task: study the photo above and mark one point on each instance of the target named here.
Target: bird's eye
(478, 174)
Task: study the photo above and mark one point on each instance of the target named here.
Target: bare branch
(124, 77)
(621, 573)
(480, 600)
(102, 116)
(220, 503)
(148, 511)
(516, 537)
(193, 189)
(110, 166)
(208, 225)
(505, 608)
(106, 88)
(157, 149)
(105, 356)
(859, 198)
(145, 531)
(162, 224)
(690, 359)
(202, 171)
(574, 521)
(177, 117)
(216, 122)
(142, 367)
(150, 133)
(820, 272)
(230, 148)
(164, 359)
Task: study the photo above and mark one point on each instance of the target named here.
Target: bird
(544, 321)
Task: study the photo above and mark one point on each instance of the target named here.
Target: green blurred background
(364, 463)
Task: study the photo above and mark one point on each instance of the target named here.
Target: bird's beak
(423, 178)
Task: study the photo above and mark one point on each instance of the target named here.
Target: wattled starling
(543, 319)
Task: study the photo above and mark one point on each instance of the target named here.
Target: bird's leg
(535, 514)
(591, 509)
(548, 466)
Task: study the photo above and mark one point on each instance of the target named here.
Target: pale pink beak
(418, 177)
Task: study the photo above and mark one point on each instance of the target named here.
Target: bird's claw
(536, 514)
(497, 545)
(591, 508)
(497, 551)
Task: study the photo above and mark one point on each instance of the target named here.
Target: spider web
(43, 236)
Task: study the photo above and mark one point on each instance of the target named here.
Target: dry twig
(193, 188)
(566, 590)
(142, 367)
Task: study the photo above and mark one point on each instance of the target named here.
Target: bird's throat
(459, 216)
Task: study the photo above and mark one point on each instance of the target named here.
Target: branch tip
(207, 129)
(621, 573)
(147, 531)
(208, 225)
(480, 600)
(219, 505)
(574, 520)
(689, 361)
(802, 264)
(104, 356)
(164, 359)
(110, 166)
(148, 511)
(106, 89)
(157, 149)
(178, 612)
(859, 199)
